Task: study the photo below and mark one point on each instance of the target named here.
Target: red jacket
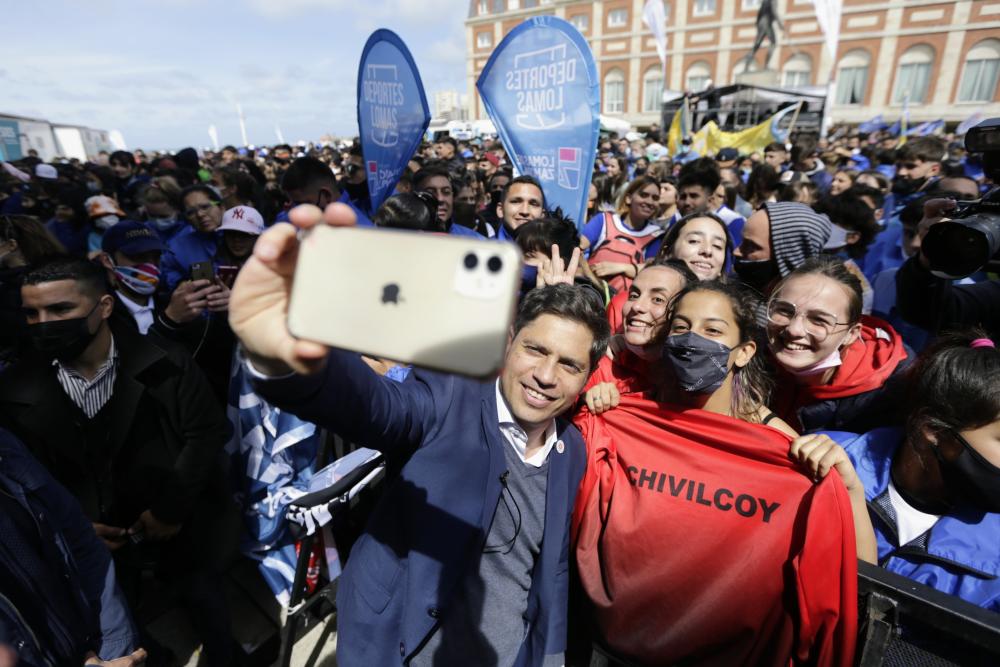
(699, 541)
(614, 312)
(627, 371)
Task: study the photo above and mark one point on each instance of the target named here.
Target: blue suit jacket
(89, 570)
(433, 521)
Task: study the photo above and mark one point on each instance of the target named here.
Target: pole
(243, 124)
(795, 118)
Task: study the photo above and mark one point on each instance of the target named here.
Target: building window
(698, 77)
(980, 73)
(614, 92)
(749, 5)
(617, 18)
(484, 40)
(580, 21)
(704, 7)
(852, 77)
(797, 72)
(484, 7)
(913, 76)
(499, 6)
(529, 4)
(652, 89)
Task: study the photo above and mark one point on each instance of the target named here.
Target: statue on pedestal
(767, 16)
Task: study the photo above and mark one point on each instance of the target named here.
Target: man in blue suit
(466, 558)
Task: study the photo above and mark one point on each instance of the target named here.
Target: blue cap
(130, 238)
(726, 154)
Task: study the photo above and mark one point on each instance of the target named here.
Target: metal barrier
(903, 622)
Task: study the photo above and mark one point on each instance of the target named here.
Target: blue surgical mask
(163, 224)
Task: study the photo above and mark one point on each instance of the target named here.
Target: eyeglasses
(818, 325)
(200, 208)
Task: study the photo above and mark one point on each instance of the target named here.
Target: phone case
(434, 301)
(202, 271)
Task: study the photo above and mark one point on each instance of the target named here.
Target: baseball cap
(101, 205)
(242, 219)
(46, 171)
(726, 154)
(130, 238)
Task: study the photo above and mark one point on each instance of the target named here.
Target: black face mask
(907, 186)
(64, 340)
(756, 273)
(700, 364)
(971, 477)
(356, 191)
(43, 208)
(464, 214)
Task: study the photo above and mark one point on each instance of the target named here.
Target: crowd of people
(774, 315)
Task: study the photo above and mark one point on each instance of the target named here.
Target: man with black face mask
(777, 238)
(130, 427)
(918, 168)
(495, 186)
(355, 180)
(309, 181)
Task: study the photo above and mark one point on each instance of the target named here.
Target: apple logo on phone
(390, 293)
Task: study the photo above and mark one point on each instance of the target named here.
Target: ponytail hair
(955, 383)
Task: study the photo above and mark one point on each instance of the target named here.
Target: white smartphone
(434, 301)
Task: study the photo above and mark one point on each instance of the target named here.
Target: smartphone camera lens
(494, 264)
(471, 261)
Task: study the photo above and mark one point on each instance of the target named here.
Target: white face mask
(831, 361)
(106, 222)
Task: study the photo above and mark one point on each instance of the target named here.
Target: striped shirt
(90, 395)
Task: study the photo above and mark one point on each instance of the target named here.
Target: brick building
(943, 56)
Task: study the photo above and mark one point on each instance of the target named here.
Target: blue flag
(969, 123)
(392, 111)
(874, 125)
(924, 129)
(540, 89)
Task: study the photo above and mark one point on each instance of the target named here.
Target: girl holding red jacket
(710, 427)
(638, 319)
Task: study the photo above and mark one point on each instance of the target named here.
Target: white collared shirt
(143, 315)
(517, 437)
(90, 395)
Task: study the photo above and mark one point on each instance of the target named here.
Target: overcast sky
(162, 71)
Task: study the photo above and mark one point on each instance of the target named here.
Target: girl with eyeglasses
(837, 369)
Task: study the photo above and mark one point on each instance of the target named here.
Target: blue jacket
(88, 570)
(434, 518)
(961, 552)
(183, 250)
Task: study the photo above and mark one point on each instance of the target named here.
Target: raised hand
(553, 270)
